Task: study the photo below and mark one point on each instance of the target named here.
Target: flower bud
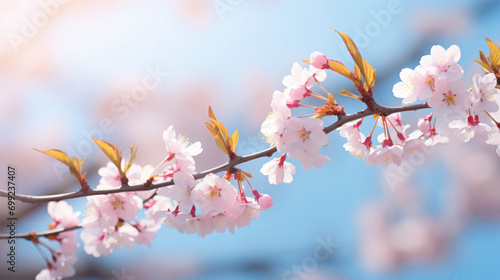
(319, 60)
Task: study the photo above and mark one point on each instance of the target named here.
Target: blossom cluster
(191, 206)
(466, 113)
(437, 80)
(203, 203)
(60, 263)
(300, 137)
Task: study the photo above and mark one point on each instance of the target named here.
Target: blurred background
(71, 69)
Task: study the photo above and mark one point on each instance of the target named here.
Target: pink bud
(265, 201)
(425, 124)
(319, 60)
(299, 92)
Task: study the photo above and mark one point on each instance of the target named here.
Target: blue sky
(267, 38)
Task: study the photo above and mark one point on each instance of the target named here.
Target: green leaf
(485, 66)
(111, 151)
(494, 54)
(235, 138)
(211, 114)
(60, 156)
(133, 154)
(349, 94)
(340, 68)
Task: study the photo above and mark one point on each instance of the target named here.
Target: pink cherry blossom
(67, 242)
(359, 148)
(244, 212)
(436, 138)
(405, 89)
(424, 81)
(319, 60)
(449, 97)
(105, 211)
(414, 143)
(357, 144)
(351, 130)
(303, 139)
(62, 214)
(123, 205)
(110, 177)
(158, 204)
(278, 170)
(385, 155)
(214, 193)
(147, 230)
(445, 61)
(62, 267)
(470, 129)
(103, 242)
(485, 94)
(181, 191)
(274, 125)
(219, 221)
(303, 76)
(202, 224)
(180, 147)
(173, 219)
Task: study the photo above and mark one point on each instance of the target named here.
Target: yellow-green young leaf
(494, 54)
(111, 151)
(307, 61)
(249, 175)
(376, 116)
(319, 116)
(221, 128)
(353, 50)
(211, 114)
(347, 93)
(235, 138)
(78, 165)
(82, 162)
(133, 154)
(357, 82)
(340, 68)
(60, 156)
(221, 144)
(229, 144)
(212, 129)
(240, 177)
(485, 66)
(368, 74)
(483, 57)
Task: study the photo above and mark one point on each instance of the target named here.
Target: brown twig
(233, 161)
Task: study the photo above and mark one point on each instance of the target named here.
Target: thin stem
(30, 235)
(374, 126)
(314, 94)
(316, 80)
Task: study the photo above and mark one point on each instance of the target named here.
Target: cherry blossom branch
(229, 166)
(30, 235)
